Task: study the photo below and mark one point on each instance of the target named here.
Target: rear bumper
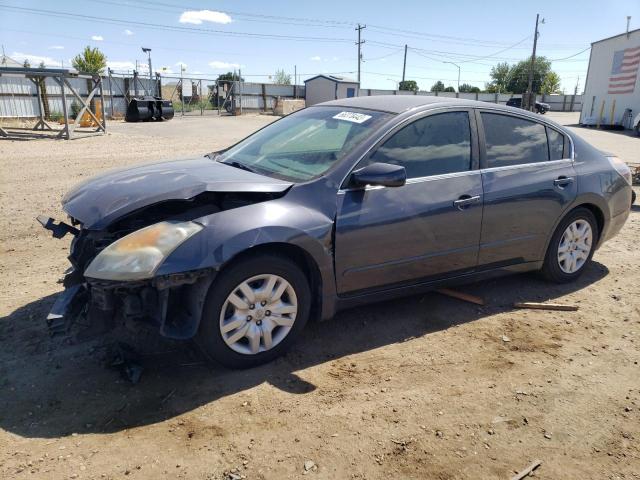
(615, 225)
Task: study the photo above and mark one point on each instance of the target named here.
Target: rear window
(513, 141)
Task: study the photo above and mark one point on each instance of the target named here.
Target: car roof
(404, 103)
(398, 103)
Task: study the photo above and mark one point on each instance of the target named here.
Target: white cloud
(56, 47)
(97, 38)
(316, 58)
(35, 60)
(223, 65)
(198, 16)
(128, 32)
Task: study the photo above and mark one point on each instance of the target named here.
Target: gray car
(337, 205)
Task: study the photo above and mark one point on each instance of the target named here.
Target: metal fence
(200, 96)
(190, 96)
(557, 103)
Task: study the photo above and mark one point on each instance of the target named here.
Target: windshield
(304, 144)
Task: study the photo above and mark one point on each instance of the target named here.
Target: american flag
(624, 70)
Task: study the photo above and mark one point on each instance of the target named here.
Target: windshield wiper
(239, 165)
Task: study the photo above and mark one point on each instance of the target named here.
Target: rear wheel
(254, 311)
(571, 247)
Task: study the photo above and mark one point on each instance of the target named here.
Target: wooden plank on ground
(527, 470)
(546, 306)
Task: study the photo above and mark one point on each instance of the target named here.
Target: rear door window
(556, 145)
(512, 140)
(432, 145)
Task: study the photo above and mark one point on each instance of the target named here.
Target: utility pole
(529, 105)
(359, 43)
(151, 89)
(404, 65)
(575, 91)
(295, 81)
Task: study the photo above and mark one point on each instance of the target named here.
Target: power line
(156, 26)
(364, 59)
(570, 56)
(289, 21)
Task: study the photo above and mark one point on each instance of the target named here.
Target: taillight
(621, 167)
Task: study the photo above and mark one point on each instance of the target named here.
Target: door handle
(465, 200)
(563, 181)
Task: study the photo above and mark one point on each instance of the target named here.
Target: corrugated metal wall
(18, 96)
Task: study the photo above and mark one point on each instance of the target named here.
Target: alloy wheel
(258, 314)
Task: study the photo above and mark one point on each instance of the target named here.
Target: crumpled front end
(170, 303)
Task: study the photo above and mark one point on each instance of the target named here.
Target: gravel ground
(424, 387)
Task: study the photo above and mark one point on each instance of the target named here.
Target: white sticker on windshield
(352, 117)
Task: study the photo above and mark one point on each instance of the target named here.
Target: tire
(235, 349)
(563, 272)
(638, 129)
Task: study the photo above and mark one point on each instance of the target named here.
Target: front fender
(229, 233)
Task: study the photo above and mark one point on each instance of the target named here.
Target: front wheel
(254, 311)
(571, 247)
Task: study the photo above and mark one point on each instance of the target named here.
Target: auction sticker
(352, 117)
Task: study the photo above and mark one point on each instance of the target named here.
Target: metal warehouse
(612, 90)
(323, 88)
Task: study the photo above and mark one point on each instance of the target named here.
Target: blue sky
(210, 37)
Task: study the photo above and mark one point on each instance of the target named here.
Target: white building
(323, 88)
(613, 86)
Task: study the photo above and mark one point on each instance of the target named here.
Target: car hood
(103, 199)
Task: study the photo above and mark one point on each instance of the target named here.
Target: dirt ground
(426, 387)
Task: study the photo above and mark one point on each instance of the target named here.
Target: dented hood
(103, 199)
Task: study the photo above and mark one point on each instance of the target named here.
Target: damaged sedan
(337, 205)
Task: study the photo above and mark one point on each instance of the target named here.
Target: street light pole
(458, 73)
(151, 89)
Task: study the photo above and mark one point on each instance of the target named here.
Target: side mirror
(383, 174)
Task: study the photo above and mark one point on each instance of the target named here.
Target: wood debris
(546, 306)
(527, 470)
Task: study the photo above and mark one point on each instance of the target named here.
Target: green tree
(466, 88)
(26, 63)
(551, 83)
(437, 87)
(519, 75)
(229, 77)
(282, 78)
(500, 75)
(91, 60)
(449, 89)
(410, 85)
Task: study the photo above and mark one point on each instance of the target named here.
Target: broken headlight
(138, 255)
